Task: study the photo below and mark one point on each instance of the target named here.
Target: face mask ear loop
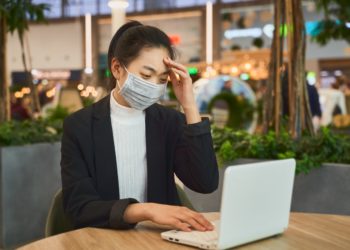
(120, 88)
(126, 69)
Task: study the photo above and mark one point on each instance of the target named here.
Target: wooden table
(306, 231)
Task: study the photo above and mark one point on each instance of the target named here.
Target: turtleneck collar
(123, 112)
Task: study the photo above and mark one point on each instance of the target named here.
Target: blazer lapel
(105, 159)
(156, 163)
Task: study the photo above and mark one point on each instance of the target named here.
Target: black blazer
(89, 170)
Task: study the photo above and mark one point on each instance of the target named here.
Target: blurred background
(226, 42)
(273, 77)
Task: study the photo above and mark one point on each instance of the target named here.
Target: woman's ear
(116, 68)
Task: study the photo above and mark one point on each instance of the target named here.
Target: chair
(57, 222)
(183, 198)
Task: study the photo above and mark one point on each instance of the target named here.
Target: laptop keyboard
(205, 236)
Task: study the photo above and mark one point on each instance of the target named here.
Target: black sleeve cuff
(116, 220)
(199, 128)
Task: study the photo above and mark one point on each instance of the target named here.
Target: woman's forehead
(151, 58)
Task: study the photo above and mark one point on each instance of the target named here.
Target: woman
(119, 155)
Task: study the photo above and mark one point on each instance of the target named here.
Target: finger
(173, 77)
(196, 225)
(181, 226)
(200, 218)
(203, 221)
(187, 217)
(181, 73)
(196, 220)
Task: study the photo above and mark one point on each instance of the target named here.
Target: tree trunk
(277, 68)
(268, 117)
(303, 120)
(29, 77)
(5, 111)
(288, 13)
(291, 86)
(306, 110)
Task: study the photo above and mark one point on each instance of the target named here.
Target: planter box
(323, 190)
(30, 176)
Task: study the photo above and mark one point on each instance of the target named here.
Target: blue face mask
(139, 93)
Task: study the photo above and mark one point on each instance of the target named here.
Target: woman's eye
(163, 80)
(145, 76)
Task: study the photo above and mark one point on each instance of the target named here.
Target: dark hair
(131, 38)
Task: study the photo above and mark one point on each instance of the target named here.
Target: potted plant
(29, 162)
(30, 175)
(322, 171)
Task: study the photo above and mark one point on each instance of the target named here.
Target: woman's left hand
(183, 85)
(183, 90)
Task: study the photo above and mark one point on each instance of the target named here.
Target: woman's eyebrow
(154, 71)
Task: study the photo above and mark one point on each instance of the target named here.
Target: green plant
(58, 113)
(335, 23)
(309, 151)
(240, 109)
(87, 101)
(49, 129)
(28, 132)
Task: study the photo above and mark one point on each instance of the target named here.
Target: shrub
(309, 152)
(33, 131)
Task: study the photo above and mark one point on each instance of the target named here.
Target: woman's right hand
(177, 217)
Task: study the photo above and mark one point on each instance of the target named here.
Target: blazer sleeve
(81, 202)
(195, 161)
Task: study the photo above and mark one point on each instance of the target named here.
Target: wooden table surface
(305, 231)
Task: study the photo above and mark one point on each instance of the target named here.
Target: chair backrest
(183, 198)
(57, 221)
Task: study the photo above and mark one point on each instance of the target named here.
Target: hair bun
(119, 33)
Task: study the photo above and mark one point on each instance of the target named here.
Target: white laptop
(255, 204)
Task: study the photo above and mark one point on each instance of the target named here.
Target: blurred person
(21, 108)
(337, 86)
(43, 99)
(119, 155)
(227, 87)
(220, 113)
(315, 105)
(332, 103)
(313, 95)
(340, 83)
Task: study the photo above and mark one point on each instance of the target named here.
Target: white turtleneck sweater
(129, 135)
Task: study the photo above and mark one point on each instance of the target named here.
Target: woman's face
(149, 65)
